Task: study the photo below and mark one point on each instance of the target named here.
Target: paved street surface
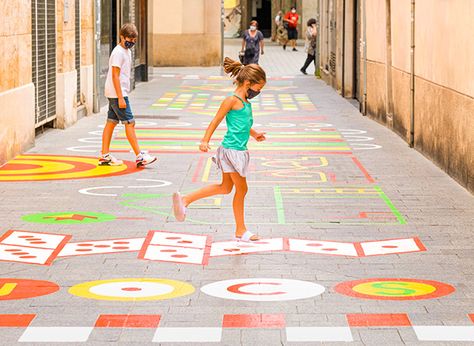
(364, 239)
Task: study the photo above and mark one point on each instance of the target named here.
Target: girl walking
(232, 156)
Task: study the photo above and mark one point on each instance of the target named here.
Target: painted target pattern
(394, 289)
(37, 167)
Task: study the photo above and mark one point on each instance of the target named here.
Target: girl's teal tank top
(239, 122)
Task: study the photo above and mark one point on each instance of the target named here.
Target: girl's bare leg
(225, 187)
(241, 189)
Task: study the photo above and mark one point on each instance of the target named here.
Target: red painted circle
(329, 249)
(173, 238)
(442, 289)
(120, 247)
(314, 244)
(101, 246)
(19, 166)
(25, 288)
(25, 236)
(84, 250)
(121, 242)
(37, 242)
(167, 250)
(389, 246)
(131, 289)
(27, 256)
(85, 244)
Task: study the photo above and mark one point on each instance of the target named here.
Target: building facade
(56, 60)
(410, 65)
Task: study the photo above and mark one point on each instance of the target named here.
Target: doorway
(264, 17)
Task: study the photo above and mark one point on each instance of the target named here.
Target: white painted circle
(131, 289)
(263, 289)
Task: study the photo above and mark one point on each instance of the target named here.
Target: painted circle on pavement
(129, 289)
(11, 289)
(68, 217)
(37, 167)
(263, 289)
(394, 289)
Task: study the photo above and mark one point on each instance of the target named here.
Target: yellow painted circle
(93, 289)
(394, 288)
(56, 167)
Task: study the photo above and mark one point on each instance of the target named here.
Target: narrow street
(364, 239)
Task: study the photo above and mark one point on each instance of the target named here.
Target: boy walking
(117, 87)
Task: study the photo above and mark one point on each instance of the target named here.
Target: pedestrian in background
(278, 22)
(282, 33)
(117, 87)
(291, 20)
(310, 44)
(232, 156)
(252, 44)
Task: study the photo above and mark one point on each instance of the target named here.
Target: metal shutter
(77, 4)
(44, 59)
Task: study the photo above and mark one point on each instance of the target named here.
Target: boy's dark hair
(293, 8)
(129, 30)
(311, 21)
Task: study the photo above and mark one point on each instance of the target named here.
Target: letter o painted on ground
(132, 289)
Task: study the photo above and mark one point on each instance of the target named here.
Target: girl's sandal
(248, 237)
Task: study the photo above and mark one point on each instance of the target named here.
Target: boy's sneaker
(144, 159)
(109, 160)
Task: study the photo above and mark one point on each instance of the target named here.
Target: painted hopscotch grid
(172, 140)
(208, 104)
(348, 205)
(284, 169)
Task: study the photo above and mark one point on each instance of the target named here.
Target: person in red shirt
(291, 20)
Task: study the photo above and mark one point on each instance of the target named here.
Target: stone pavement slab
(354, 223)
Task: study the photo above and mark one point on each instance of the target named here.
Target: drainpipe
(364, 45)
(343, 46)
(96, 86)
(412, 77)
(388, 64)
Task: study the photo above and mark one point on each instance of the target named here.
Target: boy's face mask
(129, 44)
(293, 11)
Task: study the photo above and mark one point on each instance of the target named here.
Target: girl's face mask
(253, 27)
(252, 93)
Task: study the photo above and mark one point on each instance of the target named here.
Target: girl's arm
(259, 136)
(243, 44)
(261, 45)
(225, 107)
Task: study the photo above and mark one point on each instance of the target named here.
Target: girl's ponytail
(232, 67)
(252, 72)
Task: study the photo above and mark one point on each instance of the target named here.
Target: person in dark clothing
(310, 44)
(252, 44)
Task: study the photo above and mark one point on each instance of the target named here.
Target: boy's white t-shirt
(122, 58)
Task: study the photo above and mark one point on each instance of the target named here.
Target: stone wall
(185, 33)
(17, 128)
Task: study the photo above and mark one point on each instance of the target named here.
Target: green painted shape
(389, 203)
(68, 218)
(279, 205)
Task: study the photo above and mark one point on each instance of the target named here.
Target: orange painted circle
(37, 167)
(11, 289)
(394, 289)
